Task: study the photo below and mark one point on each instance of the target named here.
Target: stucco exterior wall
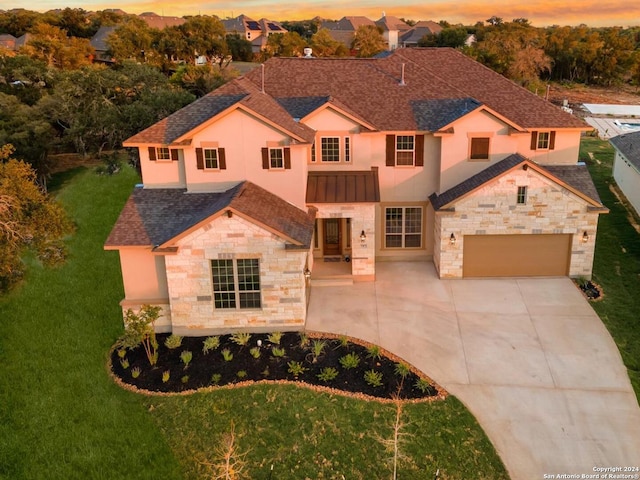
(143, 274)
(363, 261)
(492, 210)
(567, 147)
(161, 173)
(282, 281)
(628, 179)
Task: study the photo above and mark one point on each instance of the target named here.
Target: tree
(289, 44)
(131, 40)
(75, 22)
(24, 77)
(202, 79)
(205, 36)
(368, 41)
(453, 37)
(51, 45)
(29, 219)
(324, 45)
(239, 48)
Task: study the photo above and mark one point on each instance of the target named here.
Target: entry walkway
(528, 357)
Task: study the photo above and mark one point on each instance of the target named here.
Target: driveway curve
(528, 357)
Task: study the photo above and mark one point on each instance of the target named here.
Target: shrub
(304, 340)
(210, 343)
(124, 362)
(296, 368)
(278, 352)
(135, 372)
(275, 337)
(255, 352)
(122, 352)
(186, 357)
(373, 378)
(165, 376)
(373, 352)
(350, 360)
(227, 355)
(241, 374)
(184, 379)
(402, 369)
(423, 385)
(139, 329)
(317, 347)
(215, 378)
(327, 374)
(173, 341)
(343, 341)
(241, 338)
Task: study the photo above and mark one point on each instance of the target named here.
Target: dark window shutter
(265, 158)
(199, 159)
(419, 150)
(222, 159)
(287, 159)
(152, 154)
(534, 140)
(174, 154)
(552, 140)
(391, 150)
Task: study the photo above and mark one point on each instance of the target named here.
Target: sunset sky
(539, 12)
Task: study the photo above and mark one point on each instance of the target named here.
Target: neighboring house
(255, 31)
(100, 45)
(392, 28)
(411, 37)
(421, 155)
(344, 30)
(160, 22)
(626, 166)
(7, 41)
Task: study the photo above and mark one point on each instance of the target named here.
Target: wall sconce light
(585, 237)
(363, 236)
(452, 239)
(307, 273)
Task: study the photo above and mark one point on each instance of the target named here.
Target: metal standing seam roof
(628, 145)
(153, 217)
(343, 187)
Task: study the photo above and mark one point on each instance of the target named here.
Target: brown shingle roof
(153, 217)
(343, 187)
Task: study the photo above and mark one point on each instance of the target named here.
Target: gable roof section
(575, 178)
(628, 145)
(158, 217)
(414, 34)
(99, 40)
(432, 115)
(389, 22)
(343, 187)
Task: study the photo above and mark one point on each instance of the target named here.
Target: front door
(331, 243)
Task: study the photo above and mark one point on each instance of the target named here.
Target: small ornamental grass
(210, 343)
(186, 356)
(373, 378)
(327, 374)
(296, 369)
(173, 341)
(275, 337)
(241, 338)
(278, 352)
(349, 361)
(227, 355)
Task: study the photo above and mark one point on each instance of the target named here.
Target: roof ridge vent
(402, 82)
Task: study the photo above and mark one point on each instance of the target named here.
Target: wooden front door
(332, 236)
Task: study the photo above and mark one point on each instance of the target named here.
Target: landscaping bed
(325, 362)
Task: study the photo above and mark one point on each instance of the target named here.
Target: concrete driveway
(528, 357)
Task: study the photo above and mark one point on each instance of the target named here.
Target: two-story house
(424, 155)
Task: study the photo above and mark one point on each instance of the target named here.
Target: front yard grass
(617, 260)
(61, 416)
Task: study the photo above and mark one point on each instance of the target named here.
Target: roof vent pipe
(308, 52)
(402, 76)
(262, 79)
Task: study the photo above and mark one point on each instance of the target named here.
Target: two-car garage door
(516, 255)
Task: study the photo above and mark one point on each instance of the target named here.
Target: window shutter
(419, 151)
(552, 140)
(199, 159)
(222, 159)
(265, 158)
(152, 154)
(534, 140)
(287, 158)
(174, 154)
(391, 150)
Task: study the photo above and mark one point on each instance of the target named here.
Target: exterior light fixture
(585, 237)
(363, 236)
(307, 273)
(452, 239)
(259, 343)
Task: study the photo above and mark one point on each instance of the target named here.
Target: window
(522, 195)
(210, 158)
(543, 140)
(405, 149)
(479, 148)
(403, 227)
(162, 153)
(330, 149)
(236, 283)
(276, 158)
(347, 149)
(313, 152)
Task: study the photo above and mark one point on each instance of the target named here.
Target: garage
(516, 255)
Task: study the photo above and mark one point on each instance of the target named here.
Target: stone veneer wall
(363, 217)
(282, 281)
(492, 210)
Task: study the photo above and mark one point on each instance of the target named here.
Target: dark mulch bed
(211, 369)
(590, 289)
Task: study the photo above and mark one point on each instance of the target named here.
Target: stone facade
(189, 277)
(363, 217)
(492, 210)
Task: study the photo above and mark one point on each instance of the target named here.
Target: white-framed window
(543, 141)
(236, 283)
(522, 195)
(210, 158)
(163, 153)
(479, 148)
(276, 158)
(405, 150)
(330, 149)
(403, 227)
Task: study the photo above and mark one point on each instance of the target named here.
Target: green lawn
(617, 261)
(61, 416)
